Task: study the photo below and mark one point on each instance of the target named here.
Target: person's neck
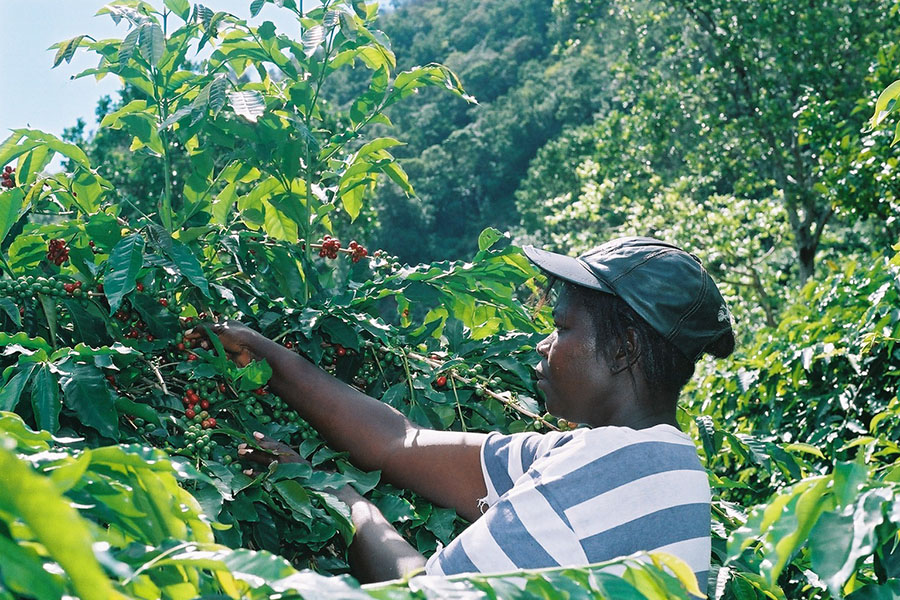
(641, 408)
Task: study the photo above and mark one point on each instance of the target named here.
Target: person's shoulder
(611, 435)
(604, 448)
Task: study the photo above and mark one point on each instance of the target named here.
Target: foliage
(97, 288)
(728, 95)
(802, 424)
(467, 160)
(138, 534)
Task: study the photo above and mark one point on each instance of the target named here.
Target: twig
(504, 398)
(159, 378)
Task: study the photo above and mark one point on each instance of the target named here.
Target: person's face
(573, 376)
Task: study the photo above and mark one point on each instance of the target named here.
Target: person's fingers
(200, 330)
(241, 357)
(258, 456)
(237, 353)
(285, 453)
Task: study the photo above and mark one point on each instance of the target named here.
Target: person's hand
(271, 451)
(236, 338)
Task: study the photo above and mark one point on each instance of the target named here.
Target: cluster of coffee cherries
(132, 324)
(30, 287)
(367, 375)
(73, 288)
(358, 251)
(184, 346)
(143, 427)
(57, 251)
(266, 407)
(193, 400)
(9, 177)
(198, 441)
(330, 247)
(333, 352)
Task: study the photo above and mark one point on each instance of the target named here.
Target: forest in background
(595, 119)
(745, 132)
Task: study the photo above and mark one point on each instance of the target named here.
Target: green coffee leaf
(11, 204)
(217, 94)
(254, 375)
(35, 500)
(126, 48)
(312, 38)
(104, 230)
(70, 151)
(87, 394)
(296, 498)
(12, 389)
(188, 264)
(203, 14)
(279, 225)
(883, 105)
(124, 263)
(26, 252)
(45, 399)
(11, 310)
(182, 8)
(160, 321)
(24, 573)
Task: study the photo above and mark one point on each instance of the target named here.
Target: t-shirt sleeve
(505, 458)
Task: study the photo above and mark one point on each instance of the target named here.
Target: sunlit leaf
(67, 50)
(34, 499)
(11, 204)
(126, 48)
(182, 8)
(891, 92)
(312, 39)
(152, 42)
(249, 104)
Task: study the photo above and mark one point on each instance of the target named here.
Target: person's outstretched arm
(378, 552)
(443, 466)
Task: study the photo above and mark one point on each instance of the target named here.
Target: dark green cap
(662, 283)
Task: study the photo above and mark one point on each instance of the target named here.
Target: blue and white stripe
(583, 497)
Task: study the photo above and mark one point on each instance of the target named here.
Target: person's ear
(628, 353)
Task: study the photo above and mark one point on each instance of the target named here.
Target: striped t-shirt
(582, 497)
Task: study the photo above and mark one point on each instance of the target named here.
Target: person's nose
(543, 346)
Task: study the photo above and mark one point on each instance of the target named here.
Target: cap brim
(566, 268)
